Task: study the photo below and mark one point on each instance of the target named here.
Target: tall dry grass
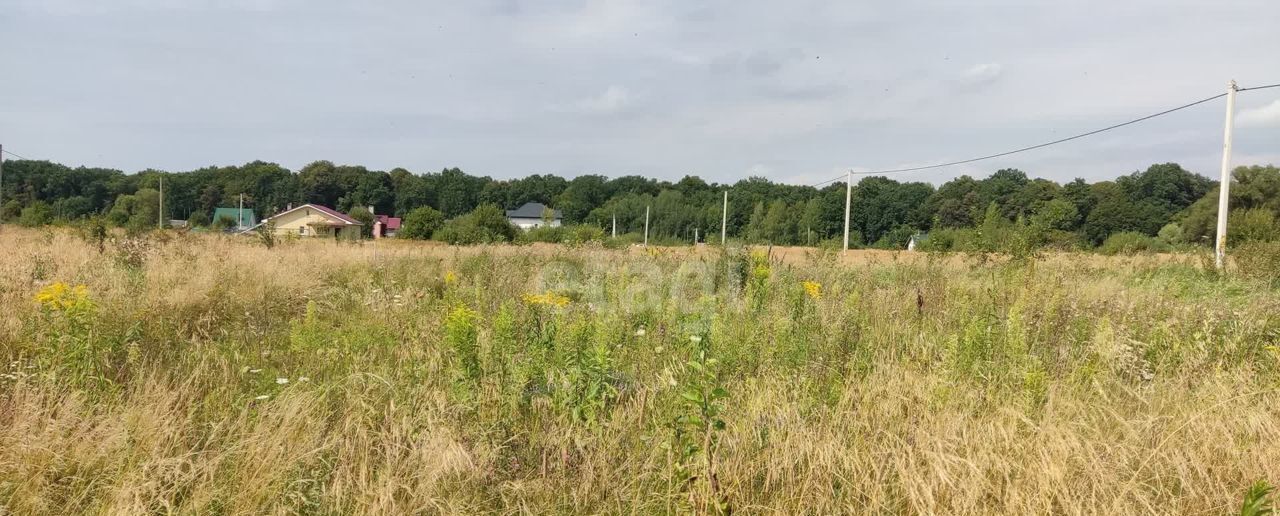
(426, 379)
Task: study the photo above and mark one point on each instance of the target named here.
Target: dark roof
(531, 210)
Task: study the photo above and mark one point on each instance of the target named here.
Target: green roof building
(235, 215)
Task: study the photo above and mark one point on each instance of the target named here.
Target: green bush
(1131, 242)
(1259, 260)
(486, 224)
(584, 233)
(553, 235)
(223, 223)
(198, 219)
(36, 214)
(1063, 240)
(1171, 234)
(365, 218)
(421, 223)
(1252, 225)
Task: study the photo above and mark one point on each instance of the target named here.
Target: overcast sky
(795, 91)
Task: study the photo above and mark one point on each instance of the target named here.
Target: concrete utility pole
(848, 200)
(160, 216)
(646, 226)
(1, 183)
(240, 214)
(695, 236)
(1224, 187)
(724, 217)
(615, 225)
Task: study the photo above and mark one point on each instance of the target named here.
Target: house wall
(530, 223)
(298, 223)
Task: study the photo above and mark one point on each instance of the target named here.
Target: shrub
(36, 214)
(485, 224)
(1171, 234)
(1131, 242)
(1063, 240)
(198, 219)
(265, 233)
(364, 217)
(544, 234)
(1250, 225)
(584, 233)
(421, 223)
(1259, 260)
(94, 231)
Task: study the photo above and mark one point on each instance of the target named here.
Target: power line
(11, 153)
(1046, 144)
(1259, 87)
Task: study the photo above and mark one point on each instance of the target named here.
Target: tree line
(1164, 202)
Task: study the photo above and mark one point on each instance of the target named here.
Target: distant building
(534, 214)
(313, 220)
(241, 219)
(385, 226)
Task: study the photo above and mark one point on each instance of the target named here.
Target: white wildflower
(255, 371)
(281, 381)
(262, 397)
(640, 332)
(303, 379)
(695, 339)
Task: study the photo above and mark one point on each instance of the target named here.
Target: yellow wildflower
(59, 296)
(813, 289)
(450, 278)
(549, 298)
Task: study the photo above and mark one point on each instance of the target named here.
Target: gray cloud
(716, 88)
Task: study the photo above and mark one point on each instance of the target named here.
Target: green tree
(1057, 214)
(486, 224)
(1255, 187)
(421, 223)
(778, 226)
(37, 213)
(755, 226)
(365, 218)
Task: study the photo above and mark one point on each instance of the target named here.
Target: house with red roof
(313, 221)
(385, 226)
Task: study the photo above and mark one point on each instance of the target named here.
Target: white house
(534, 214)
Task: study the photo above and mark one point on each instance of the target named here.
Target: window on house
(302, 230)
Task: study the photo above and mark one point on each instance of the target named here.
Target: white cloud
(982, 73)
(614, 99)
(1264, 116)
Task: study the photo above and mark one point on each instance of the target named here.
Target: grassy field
(211, 375)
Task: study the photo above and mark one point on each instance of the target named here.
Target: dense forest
(1165, 203)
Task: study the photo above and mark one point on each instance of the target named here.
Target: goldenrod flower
(813, 289)
(450, 278)
(61, 297)
(549, 298)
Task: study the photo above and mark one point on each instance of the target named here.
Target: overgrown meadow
(180, 374)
